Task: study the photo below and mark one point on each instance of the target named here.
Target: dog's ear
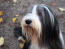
(47, 17)
(48, 20)
(44, 12)
(40, 11)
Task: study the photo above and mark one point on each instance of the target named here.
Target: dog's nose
(28, 21)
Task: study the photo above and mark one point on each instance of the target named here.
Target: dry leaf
(14, 19)
(61, 9)
(1, 20)
(1, 41)
(21, 45)
(1, 13)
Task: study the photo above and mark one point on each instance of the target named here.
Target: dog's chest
(35, 46)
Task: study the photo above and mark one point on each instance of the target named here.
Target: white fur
(61, 38)
(34, 10)
(32, 46)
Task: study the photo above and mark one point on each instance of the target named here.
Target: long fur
(43, 32)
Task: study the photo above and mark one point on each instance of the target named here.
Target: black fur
(50, 33)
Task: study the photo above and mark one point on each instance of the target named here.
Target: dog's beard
(32, 33)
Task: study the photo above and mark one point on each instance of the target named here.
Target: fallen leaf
(21, 45)
(1, 41)
(14, 19)
(1, 20)
(1, 13)
(15, 1)
(61, 9)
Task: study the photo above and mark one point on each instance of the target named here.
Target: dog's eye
(39, 13)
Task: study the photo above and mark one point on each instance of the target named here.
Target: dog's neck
(34, 40)
(35, 44)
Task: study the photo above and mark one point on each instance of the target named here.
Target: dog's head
(39, 20)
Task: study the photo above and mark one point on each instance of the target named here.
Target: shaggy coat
(40, 26)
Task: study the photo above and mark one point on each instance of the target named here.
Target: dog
(41, 28)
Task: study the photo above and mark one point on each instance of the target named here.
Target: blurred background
(12, 11)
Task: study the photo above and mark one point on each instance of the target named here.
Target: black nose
(28, 21)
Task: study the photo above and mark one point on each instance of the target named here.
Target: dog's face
(31, 24)
(36, 22)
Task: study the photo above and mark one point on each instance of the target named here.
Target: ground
(20, 7)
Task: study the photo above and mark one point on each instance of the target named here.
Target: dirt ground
(10, 10)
